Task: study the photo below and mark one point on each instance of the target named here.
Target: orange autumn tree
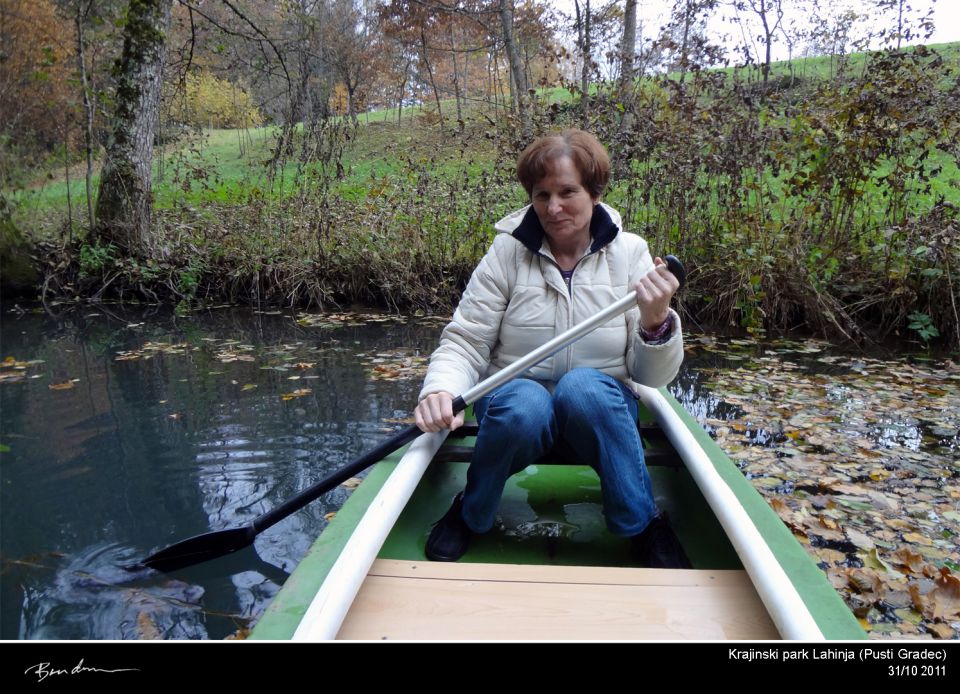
(36, 98)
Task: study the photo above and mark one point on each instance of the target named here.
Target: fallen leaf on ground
(352, 483)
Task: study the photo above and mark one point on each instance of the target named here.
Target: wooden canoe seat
(410, 600)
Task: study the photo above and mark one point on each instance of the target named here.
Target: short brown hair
(586, 152)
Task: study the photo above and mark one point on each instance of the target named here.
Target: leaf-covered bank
(860, 458)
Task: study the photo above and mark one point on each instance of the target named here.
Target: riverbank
(805, 204)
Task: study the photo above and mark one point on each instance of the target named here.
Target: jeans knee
(582, 390)
(523, 405)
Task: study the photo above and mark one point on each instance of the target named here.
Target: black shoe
(658, 548)
(450, 536)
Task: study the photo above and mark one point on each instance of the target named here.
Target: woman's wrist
(658, 333)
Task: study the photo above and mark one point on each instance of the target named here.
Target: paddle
(201, 548)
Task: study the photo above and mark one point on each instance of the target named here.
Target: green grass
(215, 167)
(226, 166)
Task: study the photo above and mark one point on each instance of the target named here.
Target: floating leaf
(329, 516)
(917, 539)
(910, 560)
(240, 634)
(352, 483)
(860, 539)
(146, 628)
(248, 386)
(945, 597)
(298, 393)
(65, 385)
(941, 631)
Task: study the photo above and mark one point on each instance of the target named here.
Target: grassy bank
(829, 203)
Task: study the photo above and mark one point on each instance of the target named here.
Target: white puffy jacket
(517, 300)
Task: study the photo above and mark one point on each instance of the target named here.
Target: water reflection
(175, 438)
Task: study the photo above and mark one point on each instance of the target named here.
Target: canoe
(549, 570)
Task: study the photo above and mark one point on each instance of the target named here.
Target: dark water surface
(124, 430)
(136, 429)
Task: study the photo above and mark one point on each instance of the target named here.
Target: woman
(553, 264)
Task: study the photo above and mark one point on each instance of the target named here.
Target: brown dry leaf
(851, 489)
(871, 560)
(816, 527)
(304, 365)
(829, 523)
(330, 516)
(930, 571)
(66, 385)
(830, 556)
(945, 598)
(918, 539)
(838, 578)
(901, 524)
(919, 601)
(941, 631)
(860, 539)
(148, 630)
(298, 393)
(911, 560)
(240, 634)
(780, 506)
(882, 501)
(352, 483)
(865, 581)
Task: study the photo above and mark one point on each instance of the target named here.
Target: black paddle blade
(676, 268)
(198, 549)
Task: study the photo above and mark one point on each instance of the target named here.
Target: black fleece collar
(602, 230)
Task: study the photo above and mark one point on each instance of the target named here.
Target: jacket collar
(602, 229)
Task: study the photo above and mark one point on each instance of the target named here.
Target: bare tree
(521, 88)
(628, 52)
(770, 14)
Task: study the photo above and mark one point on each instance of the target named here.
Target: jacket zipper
(573, 272)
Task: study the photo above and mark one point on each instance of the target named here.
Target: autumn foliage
(36, 97)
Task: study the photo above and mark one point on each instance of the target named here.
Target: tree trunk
(433, 83)
(123, 208)
(516, 67)
(687, 20)
(456, 78)
(87, 110)
(585, 49)
(628, 49)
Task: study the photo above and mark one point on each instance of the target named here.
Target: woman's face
(563, 205)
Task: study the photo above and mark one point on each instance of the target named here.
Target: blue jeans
(591, 418)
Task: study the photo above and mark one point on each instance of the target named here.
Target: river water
(125, 429)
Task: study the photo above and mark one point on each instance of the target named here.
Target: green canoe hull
(552, 515)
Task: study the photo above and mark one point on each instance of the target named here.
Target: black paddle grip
(676, 268)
